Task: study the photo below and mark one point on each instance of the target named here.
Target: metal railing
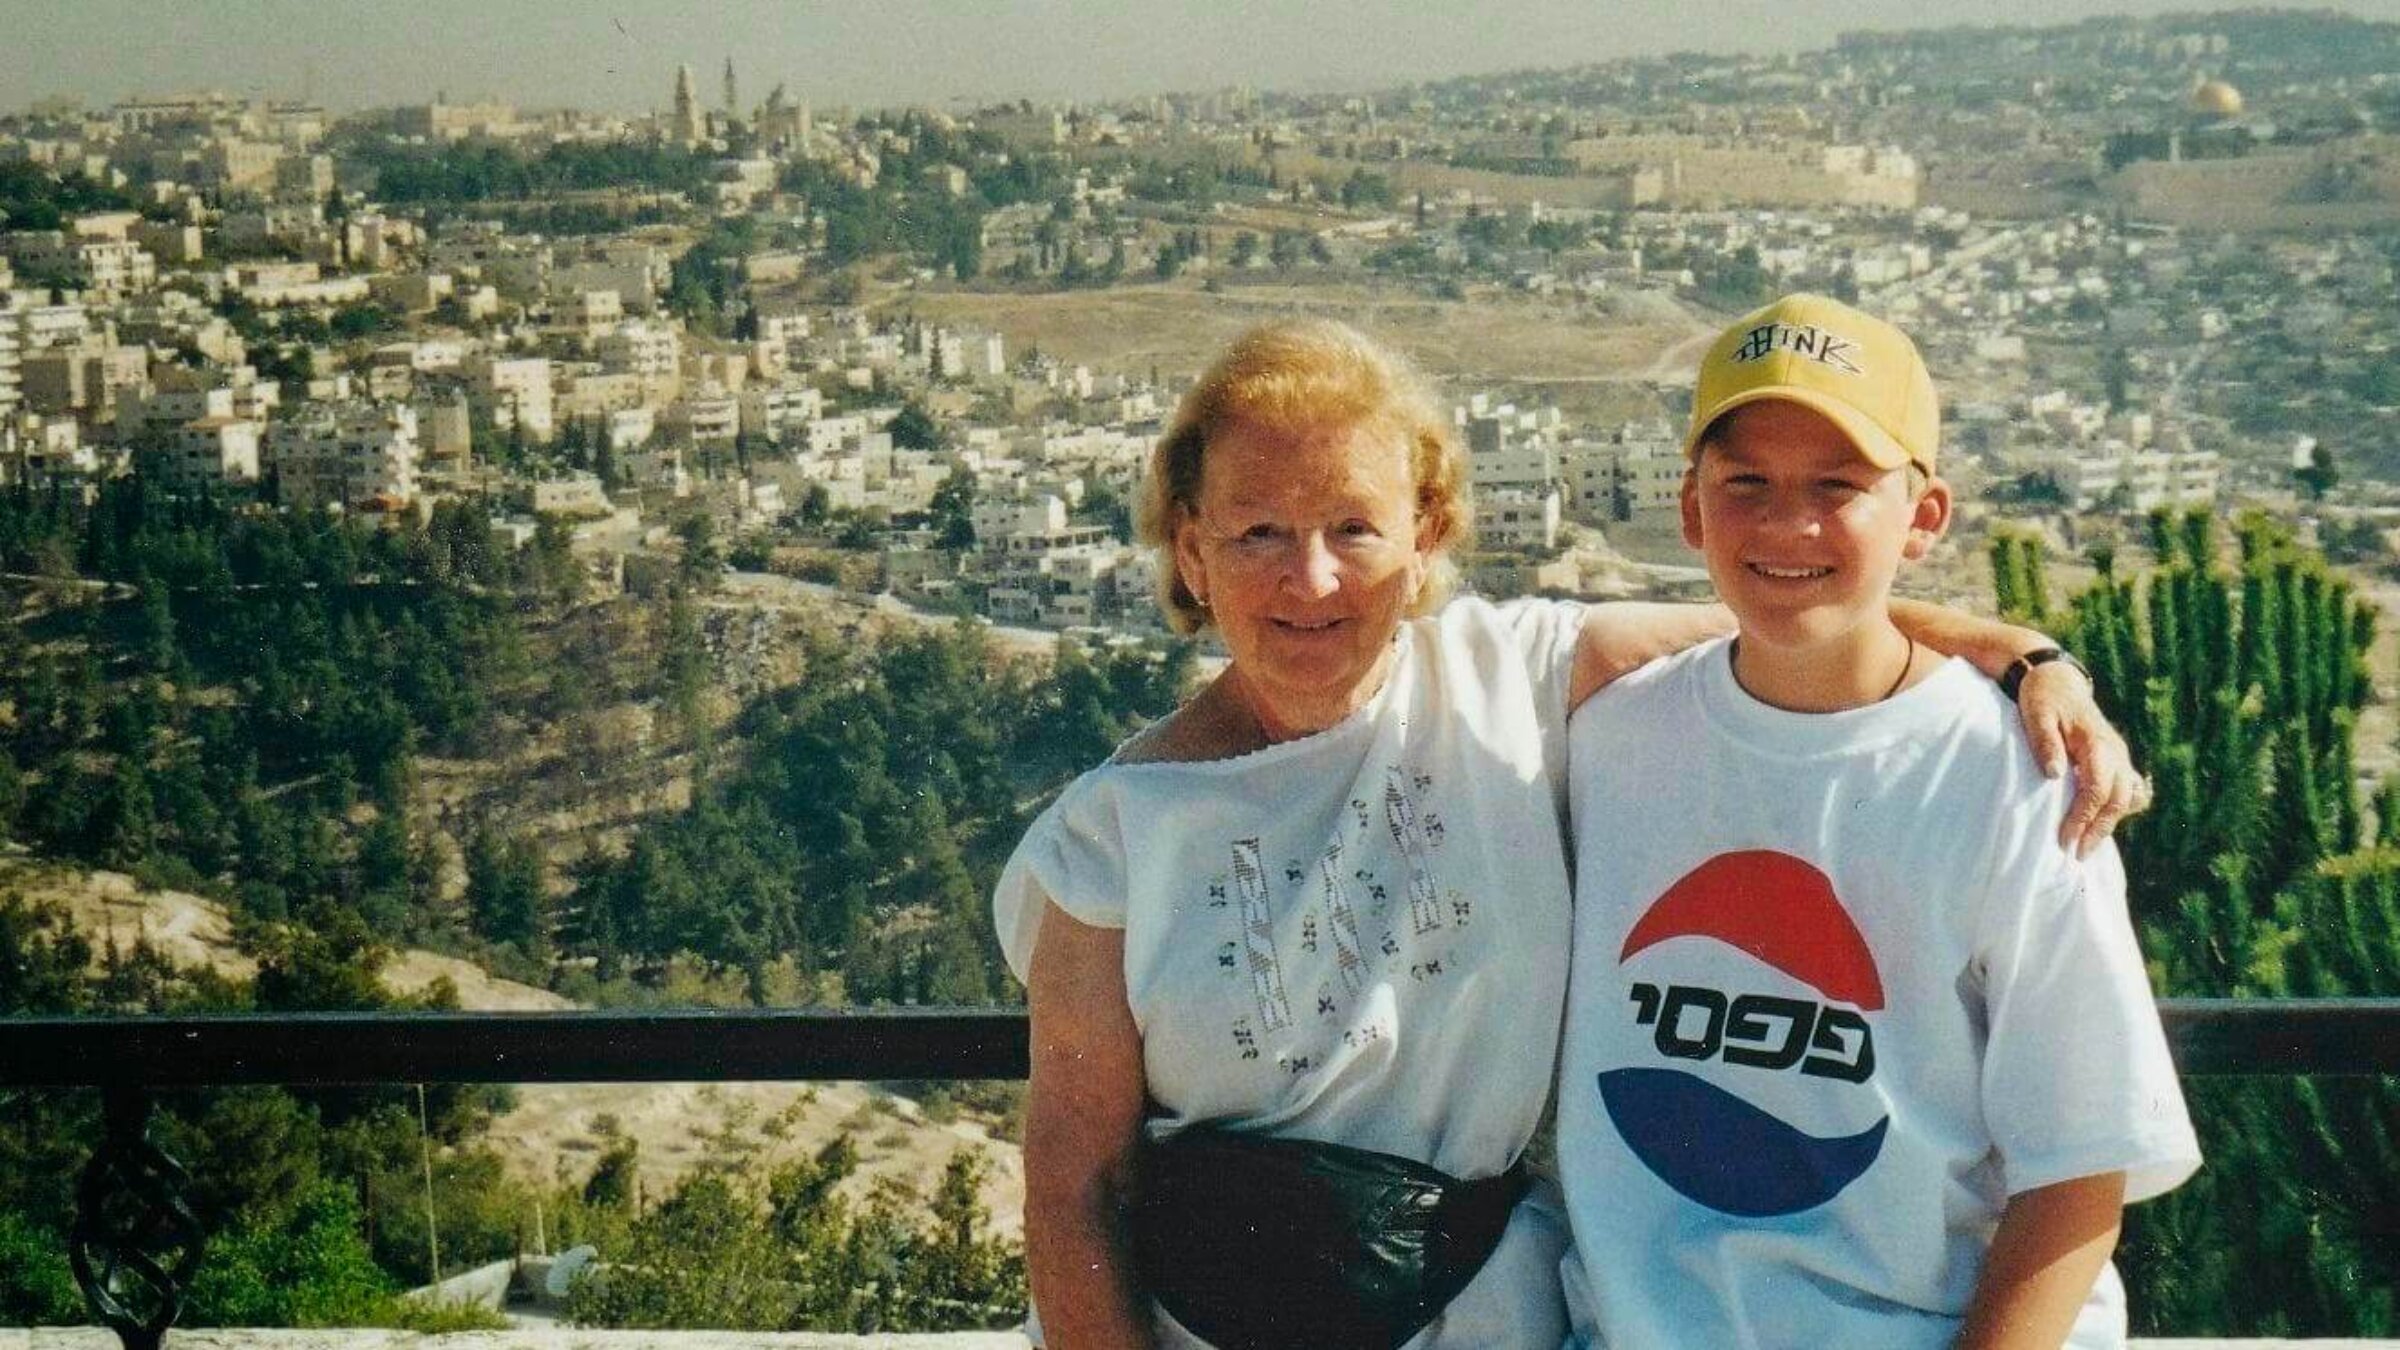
(135, 1241)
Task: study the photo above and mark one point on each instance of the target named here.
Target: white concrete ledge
(238, 1339)
(246, 1339)
(485, 1286)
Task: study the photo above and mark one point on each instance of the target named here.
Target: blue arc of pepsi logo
(1720, 1151)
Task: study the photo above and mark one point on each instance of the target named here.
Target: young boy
(1856, 1055)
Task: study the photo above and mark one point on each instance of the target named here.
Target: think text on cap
(1859, 372)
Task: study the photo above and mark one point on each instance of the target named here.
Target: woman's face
(1307, 551)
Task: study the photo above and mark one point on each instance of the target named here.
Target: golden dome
(2215, 98)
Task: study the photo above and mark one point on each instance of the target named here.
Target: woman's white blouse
(1360, 936)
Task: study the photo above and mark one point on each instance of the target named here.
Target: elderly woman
(1296, 954)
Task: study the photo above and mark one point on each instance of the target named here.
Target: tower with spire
(733, 98)
(683, 125)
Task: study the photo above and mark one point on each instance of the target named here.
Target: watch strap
(2013, 678)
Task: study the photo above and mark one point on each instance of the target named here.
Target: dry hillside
(555, 1131)
(1177, 327)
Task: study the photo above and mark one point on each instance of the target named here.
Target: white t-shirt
(1838, 993)
(1357, 937)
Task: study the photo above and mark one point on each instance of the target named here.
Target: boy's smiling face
(1802, 535)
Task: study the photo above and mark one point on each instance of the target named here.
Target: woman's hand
(1083, 1132)
(2065, 726)
(2063, 723)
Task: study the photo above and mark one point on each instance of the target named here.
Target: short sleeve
(1547, 635)
(2076, 1076)
(1072, 855)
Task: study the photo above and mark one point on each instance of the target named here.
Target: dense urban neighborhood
(617, 324)
(477, 554)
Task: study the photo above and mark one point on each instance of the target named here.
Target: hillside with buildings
(666, 559)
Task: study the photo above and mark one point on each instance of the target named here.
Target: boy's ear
(1689, 500)
(1930, 521)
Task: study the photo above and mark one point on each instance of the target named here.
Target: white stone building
(355, 456)
(832, 435)
(573, 494)
(513, 392)
(770, 411)
(11, 383)
(40, 326)
(2116, 475)
(209, 452)
(103, 265)
(1518, 520)
(709, 419)
(645, 348)
(1509, 450)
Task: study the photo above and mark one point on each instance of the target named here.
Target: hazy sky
(621, 55)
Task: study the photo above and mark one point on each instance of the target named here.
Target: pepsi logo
(1778, 909)
(1711, 1145)
(1758, 1031)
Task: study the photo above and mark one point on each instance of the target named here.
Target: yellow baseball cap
(1863, 374)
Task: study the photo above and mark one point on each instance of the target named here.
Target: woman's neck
(1274, 716)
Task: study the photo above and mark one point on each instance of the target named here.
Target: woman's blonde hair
(1296, 376)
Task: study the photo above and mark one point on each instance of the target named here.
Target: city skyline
(622, 59)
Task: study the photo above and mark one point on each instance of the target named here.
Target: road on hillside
(743, 590)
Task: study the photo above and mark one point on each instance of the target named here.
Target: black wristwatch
(2013, 678)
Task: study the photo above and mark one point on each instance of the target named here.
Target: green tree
(915, 429)
(504, 891)
(330, 963)
(605, 465)
(2238, 687)
(869, 812)
(616, 1178)
(154, 634)
(352, 323)
(816, 503)
(42, 958)
(683, 666)
(964, 1272)
(809, 1215)
(703, 1258)
(952, 964)
(1073, 271)
(37, 1287)
(1365, 189)
(2020, 584)
(702, 561)
(2320, 475)
(12, 793)
(44, 1140)
(1104, 504)
(2116, 377)
(953, 509)
(124, 830)
(312, 1269)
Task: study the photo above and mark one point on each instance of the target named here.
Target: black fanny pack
(1256, 1243)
